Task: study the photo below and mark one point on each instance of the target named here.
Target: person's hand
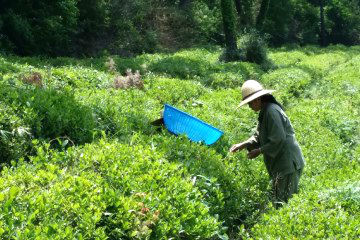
(238, 147)
(254, 153)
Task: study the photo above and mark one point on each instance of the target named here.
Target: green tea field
(81, 160)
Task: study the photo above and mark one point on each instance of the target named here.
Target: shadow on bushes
(123, 125)
(59, 114)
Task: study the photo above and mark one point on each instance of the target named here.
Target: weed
(131, 80)
(34, 78)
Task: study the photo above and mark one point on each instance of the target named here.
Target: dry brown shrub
(111, 65)
(34, 78)
(130, 80)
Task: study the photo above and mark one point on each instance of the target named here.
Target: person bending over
(275, 139)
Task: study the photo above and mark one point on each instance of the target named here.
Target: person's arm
(251, 143)
(238, 147)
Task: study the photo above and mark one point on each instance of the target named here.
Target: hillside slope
(81, 160)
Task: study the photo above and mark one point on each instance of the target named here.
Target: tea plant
(15, 135)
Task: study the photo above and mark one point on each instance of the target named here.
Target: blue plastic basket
(179, 122)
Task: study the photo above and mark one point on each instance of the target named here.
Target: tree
(322, 32)
(227, 9)
(39, 27)
(92, 26)
(243, 8)
(264, 7)
(322, 23)
(343, 17)
(184, 3)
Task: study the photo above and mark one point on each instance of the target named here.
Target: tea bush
(6, 66)
(218, 177)
(284, 57)
(330, 214)
(182, 91)
(15, 135)
(79, 77)
(120, 112)
(103, 190)
(49, 113)
(333, 153)
(161, 186)
(294, 82)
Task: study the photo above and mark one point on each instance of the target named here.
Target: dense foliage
(128, 28)
(80, 159)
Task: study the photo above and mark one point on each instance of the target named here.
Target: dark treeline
(93, 27)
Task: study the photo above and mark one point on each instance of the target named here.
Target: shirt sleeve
(253, 141)
(275, 133)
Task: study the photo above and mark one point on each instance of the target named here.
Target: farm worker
(275, 139)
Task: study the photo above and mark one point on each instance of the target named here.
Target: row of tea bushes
(327, 126)
(103, 190)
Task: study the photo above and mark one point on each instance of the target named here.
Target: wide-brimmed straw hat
(251, 90)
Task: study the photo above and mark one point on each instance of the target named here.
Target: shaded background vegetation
(95, 27)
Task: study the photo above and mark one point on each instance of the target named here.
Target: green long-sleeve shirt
(276, 138)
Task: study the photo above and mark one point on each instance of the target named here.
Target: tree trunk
(243, 8)
(228, 16)
(183, 4)
(322, 25)
(238, 6)
(264, 7)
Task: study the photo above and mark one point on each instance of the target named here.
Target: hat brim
(254, 96)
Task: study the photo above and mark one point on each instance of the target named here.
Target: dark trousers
(283, 187)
